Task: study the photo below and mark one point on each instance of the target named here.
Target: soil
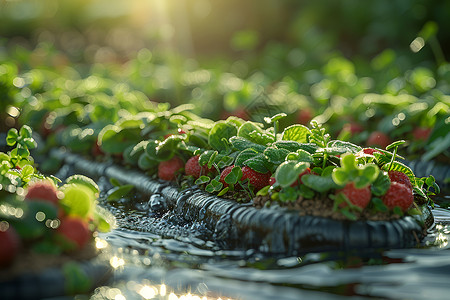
(324, 208)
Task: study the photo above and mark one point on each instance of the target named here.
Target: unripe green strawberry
(258, 180)
(359, 197)
(193, 168)
(398, 195)
(167, 170)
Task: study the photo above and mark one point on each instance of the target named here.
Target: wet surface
(156, 255)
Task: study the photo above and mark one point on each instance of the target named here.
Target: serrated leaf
(398, 166)
(298, 133)
(167, 148)
(343, 147)
(245, 155)
(220, 134)
(258, 163)
(249, 127)
(241, 144)
(287, 173)
(381, 185)
(275, 155)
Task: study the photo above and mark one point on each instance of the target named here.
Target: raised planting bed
(271, 230)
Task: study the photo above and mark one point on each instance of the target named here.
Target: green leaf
(119, 192)
(343, 147)
(167, 148)
(29, 143)
(27, 171)
(276, 117)
(220, 134)
(202, 180)
(287, 173)
(146, 162)
(340, 176)
(298, 133)
(84, 180)
(252, 132)
(288, 194)
(395, 144)
(275, 155)
(234, 176)
(241, 144)
(381, 185)
(259, 163)
(25, 131)
(12, 136)
(132, 153)
(245, 155)
(348, 162)
(319, 183)
(370, 171)
(264, 191)
(223, 191)
(214, 186)
(78, 200)
(398, 166)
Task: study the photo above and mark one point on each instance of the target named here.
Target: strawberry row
(249, 161)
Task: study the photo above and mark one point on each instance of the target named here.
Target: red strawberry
(400, 177)
(307, 171)
(398, 195)
(353, 128)
(421, 133)
(224, 174)
(371, 151)
(10, 243)
(378, 138)
(193, 168)
(74, 232)
(43, 190)
(258, 180)
(168, 169)
(359, 197)
(272, 180)
(304, 116)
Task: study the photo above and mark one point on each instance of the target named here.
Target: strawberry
(400, 177)
(10, 243)
(258, 180)
(192, 167)
(43, 190)
(359, 197)
(307, 171)
(304, 116)
(168, 169)
(421, 133)
(371, 151)
(224, 174)
(240, 112)
(378, 138)
(74, 232)
(272, 180)
(398, 195)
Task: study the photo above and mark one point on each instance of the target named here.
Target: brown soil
(28, 261)
(323, 208)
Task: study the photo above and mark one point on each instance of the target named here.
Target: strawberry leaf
(287, 173)
(220, 134)
(298, 133)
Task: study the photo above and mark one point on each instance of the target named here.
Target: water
(188, 265)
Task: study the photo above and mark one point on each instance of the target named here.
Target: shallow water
(189, 265)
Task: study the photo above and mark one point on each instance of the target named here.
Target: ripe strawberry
(304, 116)
(167, 170)
(193, 168)
(421, 133)
(74, 232)
(43, 190)
(400, 177)
(224, 174)
(307, 171)
(10, 243)
(371, 151)
(359, 197)
(272, 180)
(378, 138)
(353, 128)
(258, 180)
(398, 195)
